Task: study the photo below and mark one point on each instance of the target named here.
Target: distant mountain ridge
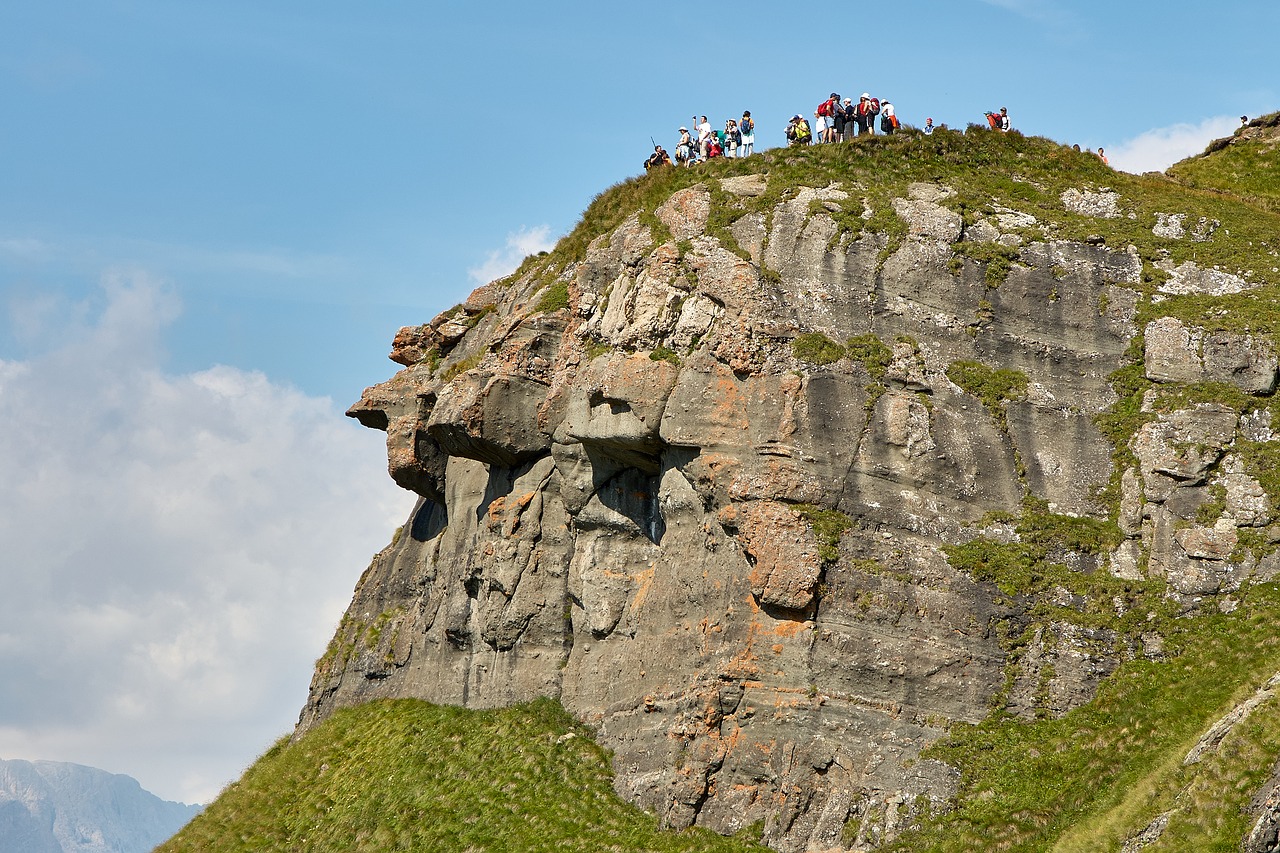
(55, 807)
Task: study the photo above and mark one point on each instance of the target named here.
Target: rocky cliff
(777, 473)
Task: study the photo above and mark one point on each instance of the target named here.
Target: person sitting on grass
(658, 158)
(798, 132)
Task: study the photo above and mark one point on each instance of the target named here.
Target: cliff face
(776, 479)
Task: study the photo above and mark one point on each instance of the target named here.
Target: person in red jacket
(865, 114)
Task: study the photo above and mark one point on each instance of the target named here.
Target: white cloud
(175, 550)
(1158, 149)
(520, 244)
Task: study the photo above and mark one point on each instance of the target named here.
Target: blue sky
(214, 216)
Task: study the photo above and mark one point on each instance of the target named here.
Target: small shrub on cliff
(554, 298)
(816, 348)
(828, 526)
(997, 257)
(459, 367)
(664, 353)
(874, 354)
(993, 386)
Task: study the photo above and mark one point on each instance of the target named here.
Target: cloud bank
(504, 261)
(1158, 149)
(175, 550)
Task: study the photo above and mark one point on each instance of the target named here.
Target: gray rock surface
(733, 562)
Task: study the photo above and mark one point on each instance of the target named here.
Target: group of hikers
(738, 139)
(835, 120)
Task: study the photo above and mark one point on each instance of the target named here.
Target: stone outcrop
(734, 559)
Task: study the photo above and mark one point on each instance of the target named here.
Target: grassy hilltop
(406, 775)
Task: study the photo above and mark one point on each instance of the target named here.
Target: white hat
(867, 96)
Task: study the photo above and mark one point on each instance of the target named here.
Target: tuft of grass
(665, 353)
(828, 526)
(407, 775)
(993, 386)
(816, 348)
(1026, 566)
(874, 354)
(997, 258)
(554, 298)
(460, 367)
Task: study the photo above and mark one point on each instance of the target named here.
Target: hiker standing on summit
(732, 138)
(685, 153)
(748, 129)
(865, 114)
(826, 115)
(848, 121)
(704, 136)
(888, 118)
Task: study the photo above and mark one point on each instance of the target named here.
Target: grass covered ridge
(1100, 774)
(407, 775)
(990, 173)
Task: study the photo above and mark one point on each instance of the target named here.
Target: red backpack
(824, 108)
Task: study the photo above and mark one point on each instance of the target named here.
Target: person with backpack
(685, 154)
(803, 132)
(658, 158)
(748, 129)
(798, 131)
(838, 119)
(865, 114)
(850, 119)
(826, 116)
(793, 131)
(732, 138)
(888, 118)
(1004, 119)
(714, 148)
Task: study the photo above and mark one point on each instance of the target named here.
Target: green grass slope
(1245, 165)
(991, 173)
(411, 776)
(1099, 775)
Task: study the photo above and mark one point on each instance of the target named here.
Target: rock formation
(711, 481)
